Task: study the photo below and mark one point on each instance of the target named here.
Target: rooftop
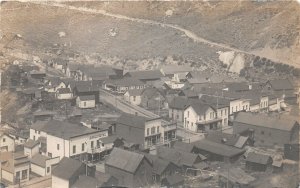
(217, 148)
(237, 175)
(39, 160)
(132, 120)
(62, 129)
(258, 158)
(126, 82)
(281, 84)
(178, 157)
(67, 168)
(145, 75)
(129, 161)
(173, 69)
(87, 97)
(31, 143)
(262, 120)
(178, 103)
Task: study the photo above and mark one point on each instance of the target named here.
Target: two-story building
(69, 140)
(144, 131)
(7, 143)
(265, 130)
(201, 117)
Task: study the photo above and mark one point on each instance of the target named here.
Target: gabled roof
(182, 146)
(176, 156)
(31, 143)
(87, 86)
(145, 75)
(281, 84)
(237, 175)
(39, 160)
(216, 148)
(200, 108)
(132, 120)
(179, 103)
(62, 129)
(159, 165)
(173, 69)
(237, 86)
(67, 168)
(86, 97)
(262, 120)
(258, 158)
(125, 160)
(150, 92)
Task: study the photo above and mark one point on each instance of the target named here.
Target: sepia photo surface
(154, 94)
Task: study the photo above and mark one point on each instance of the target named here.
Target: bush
(296, 72)
(243, 72)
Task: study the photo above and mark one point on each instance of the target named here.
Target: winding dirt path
(187, 32)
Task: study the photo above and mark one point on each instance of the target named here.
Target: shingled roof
(62, 129)
(125, 160)
(67, 168)
(216, 148)
(145, 75)
(178, 157)
(262, 120)
(281, 84)
(132, 120)
(258, 158)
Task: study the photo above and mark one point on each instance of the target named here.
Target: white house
(7, 143)
(87, 101)
(70, 140)
(31, 148)
(43, 165)
(133, 96)
(64, 93)
(200, 117)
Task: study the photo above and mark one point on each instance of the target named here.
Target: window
(49, 154)
(225, 113)
(236, 109)
(33, 137)
(48, 169)
(221, 112)
(92, 144)
(39, 132)
(18, 176)
(188, 114)
(231, 109)
(35, 131)
(157, 129)
(4, 140)
(153, 130)
(192, 124)
(134, 98)
(84, 103)
(98, 143)
(24, 174)
(147, 131)
(74, 149)
(82, 147)
(57, 146)
(177, 116)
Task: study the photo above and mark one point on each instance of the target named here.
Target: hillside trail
(187, 32)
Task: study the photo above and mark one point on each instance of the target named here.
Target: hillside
(266, 29)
